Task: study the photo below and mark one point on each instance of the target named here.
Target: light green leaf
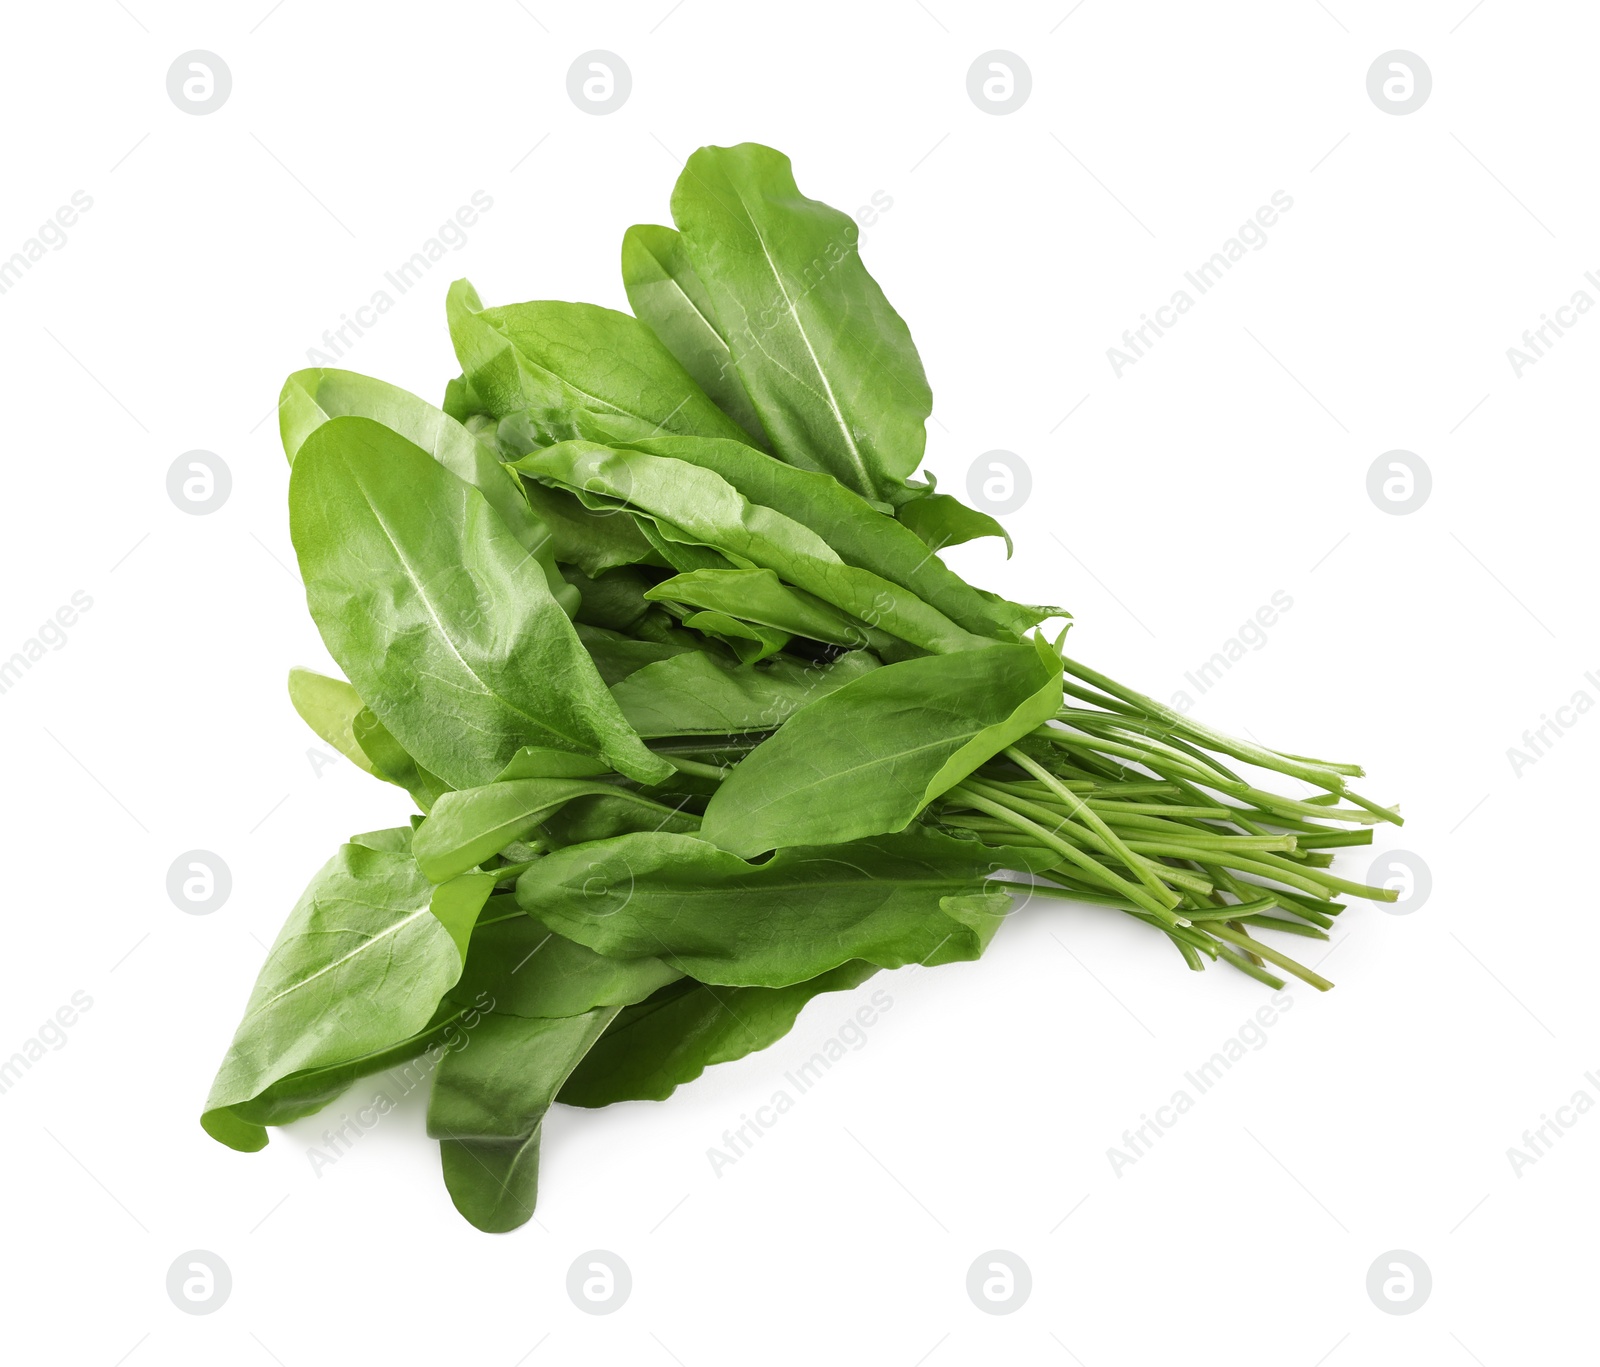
(438, 615)
(360, 966)
(537, 761)
(311, 397)
(577, 370)
(329, 707)
(828, 364)
(940, 521)
(668, 297)
(391, 762)
(456, 903)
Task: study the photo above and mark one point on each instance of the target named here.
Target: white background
(1228, 463)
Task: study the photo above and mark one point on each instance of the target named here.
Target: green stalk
(695, 768)
(1280, 924)
(1239, 939)
(1328, 840)
(1246, 967)
(1322, 773)
(1113, 847)
(1201, 915)
(1293, 877)
(983, 826)
(1171, 811)
(1093, 898)
(1085, 814)
(1162, 739)
(1318, 913)
(1331, 881)
(1131, 891)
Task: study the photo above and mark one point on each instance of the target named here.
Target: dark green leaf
(523, 969)
(697, 504)
(653, 1048)
(488, 1102)
(858, 532)
(466, 827)
(616, 656)
(700, 694)
(609, 814)
(869, 757)
(759, 596)
(615, 599)
(751, 642)
(594, 542)
(891, 900)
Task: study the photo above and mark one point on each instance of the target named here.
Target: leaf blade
(326, 994)
(869, 757)
(653, 1048)
(670, 299)
(807, 910)
(439, 616)
(827, 362)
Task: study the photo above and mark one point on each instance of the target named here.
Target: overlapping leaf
(438, 614)
(829, 366)
(869, 757)
(359, 969)
(890, 900)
